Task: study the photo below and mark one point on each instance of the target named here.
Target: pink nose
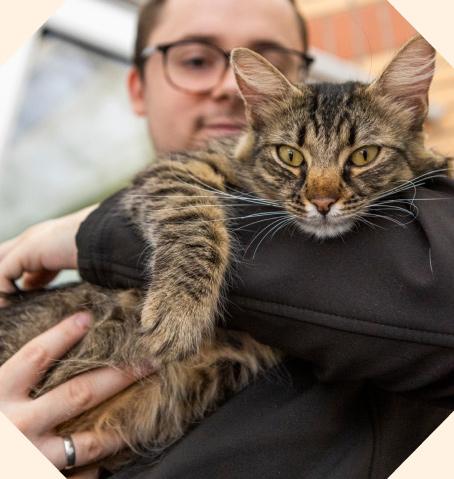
(323, 204)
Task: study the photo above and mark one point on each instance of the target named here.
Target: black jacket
(368, 321)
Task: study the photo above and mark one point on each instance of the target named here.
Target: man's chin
(205, 135)
(221, 131)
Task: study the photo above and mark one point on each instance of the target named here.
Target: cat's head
(325, 152)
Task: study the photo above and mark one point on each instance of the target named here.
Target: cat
(322, 155)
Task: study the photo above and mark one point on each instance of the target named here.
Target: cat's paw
(172, 330)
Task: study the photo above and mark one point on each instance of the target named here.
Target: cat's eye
(364, 155)
(290, 156)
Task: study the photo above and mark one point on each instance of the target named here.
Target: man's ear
(136, 89)
(407, 78)
(262, 86)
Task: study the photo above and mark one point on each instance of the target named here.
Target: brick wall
(355, 29)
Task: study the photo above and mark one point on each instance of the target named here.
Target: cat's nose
(323, 204)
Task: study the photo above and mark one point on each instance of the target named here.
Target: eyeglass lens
(197, 67)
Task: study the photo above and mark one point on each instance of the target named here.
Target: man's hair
(149, 17)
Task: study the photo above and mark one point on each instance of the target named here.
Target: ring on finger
(70, 452)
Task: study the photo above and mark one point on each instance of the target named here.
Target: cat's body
(155, 411)
(318, 156)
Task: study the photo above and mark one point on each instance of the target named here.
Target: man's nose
(227, 87)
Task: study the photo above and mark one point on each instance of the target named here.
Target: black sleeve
(376, 305)
(111, 252)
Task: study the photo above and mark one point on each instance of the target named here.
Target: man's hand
(41, 252)
(37, 418)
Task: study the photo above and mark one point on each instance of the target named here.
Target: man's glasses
(196, 66)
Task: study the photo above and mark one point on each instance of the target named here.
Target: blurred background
(68, 137)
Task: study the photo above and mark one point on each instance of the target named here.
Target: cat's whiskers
(255, 215)
(252, 200)
(202, 186)
(404, 200)
(271, 227)
(280, 215)
(361, 219)
(202, 205)
(283, 224)
(243, 195)
(266, 230)
(269, 215)
(381, 206)
(389, 218)
(413, 183)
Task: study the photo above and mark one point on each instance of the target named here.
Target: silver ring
(70, 452)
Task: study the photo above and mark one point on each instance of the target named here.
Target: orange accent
(359, 31)
(316, 32)
(403, 31)
(346, 43)
(371, 28)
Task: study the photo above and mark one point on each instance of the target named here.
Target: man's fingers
(12, 267)
(78, 395)
(25, 368)
(6, 247)
(6, 285)
(89, 446)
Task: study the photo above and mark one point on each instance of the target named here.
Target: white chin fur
(326, 229)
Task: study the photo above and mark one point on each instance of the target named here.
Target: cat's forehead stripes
(352, 134)
(301, 137)
(330, 106)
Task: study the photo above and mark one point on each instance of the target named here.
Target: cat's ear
(408, 76)
(261, 85)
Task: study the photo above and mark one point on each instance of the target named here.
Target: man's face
(180, 120)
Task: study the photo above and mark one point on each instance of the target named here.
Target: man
(348, 313)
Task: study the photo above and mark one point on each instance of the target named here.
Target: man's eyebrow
(201, 38)
(265, 43)
(253, 45)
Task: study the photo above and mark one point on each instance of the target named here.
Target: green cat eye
(290, 156)
(364, 155)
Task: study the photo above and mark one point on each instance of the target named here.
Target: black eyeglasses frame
(163, 48)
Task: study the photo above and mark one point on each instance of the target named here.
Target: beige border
(19, 19)
(434, 20)
(19, 458)
(434, 458)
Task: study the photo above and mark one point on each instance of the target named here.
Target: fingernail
(83, 320)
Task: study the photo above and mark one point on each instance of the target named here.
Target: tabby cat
(321, 154)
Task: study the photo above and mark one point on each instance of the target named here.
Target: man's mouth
(222, 125)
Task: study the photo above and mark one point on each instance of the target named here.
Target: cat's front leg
(189, 266)
(179, 205)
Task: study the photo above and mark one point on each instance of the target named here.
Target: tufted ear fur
(262, 86)
(407, 78)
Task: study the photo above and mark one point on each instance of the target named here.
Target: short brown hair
(149, 16)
